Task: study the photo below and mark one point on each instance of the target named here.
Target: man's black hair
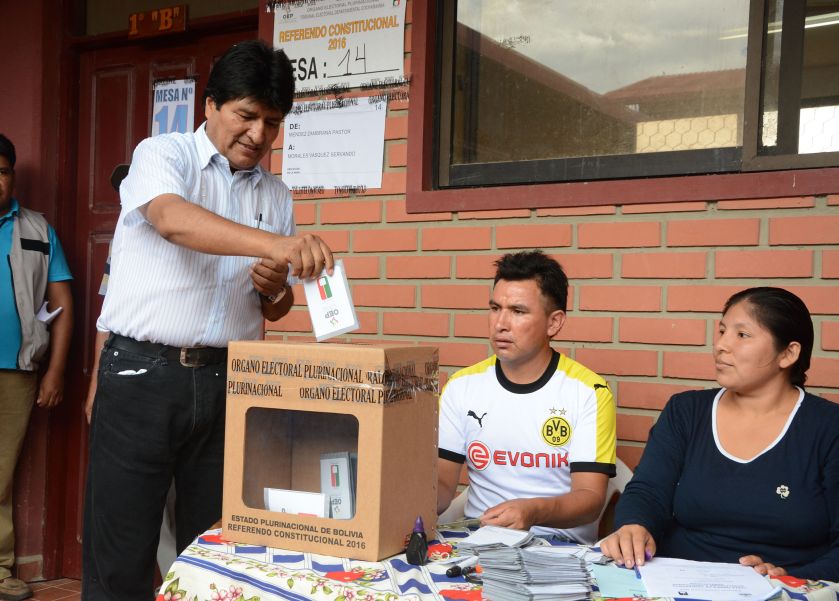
(7, 149)
(535, 265)
(252, 69)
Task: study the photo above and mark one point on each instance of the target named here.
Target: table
(214, 569)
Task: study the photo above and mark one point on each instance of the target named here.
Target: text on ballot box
(330, 303)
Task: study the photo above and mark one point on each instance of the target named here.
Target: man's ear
(789, 355)
(556, 319)
(209, 107)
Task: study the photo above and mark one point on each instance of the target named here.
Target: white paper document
(296, 501)
(45, 316)
(496, 535)
(330, 304)
(664, 577)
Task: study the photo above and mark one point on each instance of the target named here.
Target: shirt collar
(14, 209)
(207, 152)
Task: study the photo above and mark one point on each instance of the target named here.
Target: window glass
(800, 80)
(555, 79)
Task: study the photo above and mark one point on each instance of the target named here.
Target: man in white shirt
(535, 428)
(201, 255)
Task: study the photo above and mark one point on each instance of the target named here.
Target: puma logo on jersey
(480, 420)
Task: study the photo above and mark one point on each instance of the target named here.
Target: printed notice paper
(330, 304)
(664, 577)
(340, 146)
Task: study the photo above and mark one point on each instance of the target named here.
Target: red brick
(664, 265)
(415, 324)
(586, 329)
(502, 214)
(665, 207)
(384, 240)
(630, 455)
(384, 295)
(276, 163)
(587, 265)
(823, 372)
(714, 232)
(476, 266)
(832, 397)
(573, 211)
(397, 154)
(763, 263)
(620, 298)
(471, 325)
(833, 199)
(830, 336)
(767, 203)
(804, 230)
(462, 354)
(830, 264)
(343, 211)
(361, 268)
(454, 296)
(305, 213)
(694, 366)
(699, 298)
(662, 331)
(393, 182)
(396, 128)
(532, 236)
(278, 141)
(647, 395)
(456, 238)
(32, 568)
(395, 213)
(368, 322)
(618, 235)
(820, 300)
(432, 266)
(296, 320)
(337, 240)
(634, 427)
(620, 362)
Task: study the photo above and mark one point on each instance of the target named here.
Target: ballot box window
(300, 462)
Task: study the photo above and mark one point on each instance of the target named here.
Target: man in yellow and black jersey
(535, 428)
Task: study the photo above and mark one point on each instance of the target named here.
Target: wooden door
(114, 108)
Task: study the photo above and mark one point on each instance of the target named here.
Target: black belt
(188, 356)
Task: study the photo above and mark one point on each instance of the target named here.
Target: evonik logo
(481, 456)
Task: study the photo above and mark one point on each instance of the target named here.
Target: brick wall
(647, 281)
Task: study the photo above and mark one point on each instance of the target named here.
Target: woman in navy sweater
(749, 472)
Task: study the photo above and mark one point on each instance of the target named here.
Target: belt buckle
(185, 358)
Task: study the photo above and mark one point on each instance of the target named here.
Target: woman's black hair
(787, 319)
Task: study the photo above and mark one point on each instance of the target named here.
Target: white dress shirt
(162, 292)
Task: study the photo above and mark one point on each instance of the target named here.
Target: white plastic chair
(456, 510)
(615, 488)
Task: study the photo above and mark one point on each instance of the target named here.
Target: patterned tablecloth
(213, 569)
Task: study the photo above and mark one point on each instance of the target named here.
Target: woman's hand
(762, 567)
(629, 546)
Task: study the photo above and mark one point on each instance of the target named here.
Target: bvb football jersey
(525, 440)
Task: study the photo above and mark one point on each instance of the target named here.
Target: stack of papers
(534, 573)
(494, 537)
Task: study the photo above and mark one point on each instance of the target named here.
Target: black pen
(259, 222)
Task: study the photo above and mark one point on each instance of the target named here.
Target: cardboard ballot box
(330, 448)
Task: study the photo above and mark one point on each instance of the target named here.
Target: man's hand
(269, 278)
(762, 567)
(518, 513)
(51, 389)
(308, 255)
(630, 545)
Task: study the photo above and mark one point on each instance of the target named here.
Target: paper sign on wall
(335, 145)
(348, 44)
(174, 106)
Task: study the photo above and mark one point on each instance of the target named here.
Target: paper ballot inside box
(337, 483)
(298, 502)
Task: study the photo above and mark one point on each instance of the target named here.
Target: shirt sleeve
(452, 445)
(648, 498)
(593, 444)
(826, 567)
(157, 167)
(58, 270)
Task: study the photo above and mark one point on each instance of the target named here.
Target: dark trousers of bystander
(153, 420)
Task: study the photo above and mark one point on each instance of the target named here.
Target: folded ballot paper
(514, 574)
(330, 304)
